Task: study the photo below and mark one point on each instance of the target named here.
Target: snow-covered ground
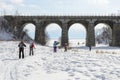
(72, 42)
(102, 63)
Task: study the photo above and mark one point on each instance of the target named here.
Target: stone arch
(84, 23)
(22, 26)
(46, 23)
(107, 22)
(104, 25)
(81, 22)
(52, 34)
(80, 40)
(31, 30)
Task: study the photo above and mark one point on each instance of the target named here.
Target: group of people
(65, 46)
(21, 46)
(55, 46)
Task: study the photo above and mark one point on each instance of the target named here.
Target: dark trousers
(65, 48)
(55, 49)
(90, 48)
(21, 52)
(31, 51)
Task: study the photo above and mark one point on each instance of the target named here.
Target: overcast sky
(60, 6)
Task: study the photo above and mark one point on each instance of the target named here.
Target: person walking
(31, 48)
(89, 47)
(55, 46)
(65, 47)
(21, 46)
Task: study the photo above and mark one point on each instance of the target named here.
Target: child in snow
(21, 49)
(31, 48)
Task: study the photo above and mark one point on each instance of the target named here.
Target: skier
(31, 48)
(55, 46)
(65, 47)
(21, 49)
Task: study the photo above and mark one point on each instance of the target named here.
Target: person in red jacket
(31, 48)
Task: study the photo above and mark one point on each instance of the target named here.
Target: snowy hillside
(102, 63)
(5, 33)
(5, 36)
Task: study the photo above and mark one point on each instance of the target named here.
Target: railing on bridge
(64, 16)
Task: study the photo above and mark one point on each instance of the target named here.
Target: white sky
(75, 7)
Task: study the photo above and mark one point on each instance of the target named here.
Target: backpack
(32, 45)
(20, 45)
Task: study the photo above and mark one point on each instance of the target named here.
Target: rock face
(4, 25)
(6, 33)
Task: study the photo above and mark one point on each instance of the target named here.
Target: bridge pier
(116, 34)
(37, 33)
(90, 40)
(18, 32)
(40, 34)
(64, 38)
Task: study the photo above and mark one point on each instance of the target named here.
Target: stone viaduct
(17, 23)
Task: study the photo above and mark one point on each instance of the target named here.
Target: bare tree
(104, 36)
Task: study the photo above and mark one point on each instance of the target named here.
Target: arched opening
(103, 34)
(77, 35)
(53, 33)
(29, 29)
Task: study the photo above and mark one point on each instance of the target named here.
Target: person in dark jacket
(65, 47)
(90, 47)
(55, 46)
(21, 49)
(31, 48)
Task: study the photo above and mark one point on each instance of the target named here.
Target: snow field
(102, 63)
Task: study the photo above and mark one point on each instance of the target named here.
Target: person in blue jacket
(55, 46)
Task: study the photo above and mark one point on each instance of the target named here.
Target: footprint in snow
(26, 75)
